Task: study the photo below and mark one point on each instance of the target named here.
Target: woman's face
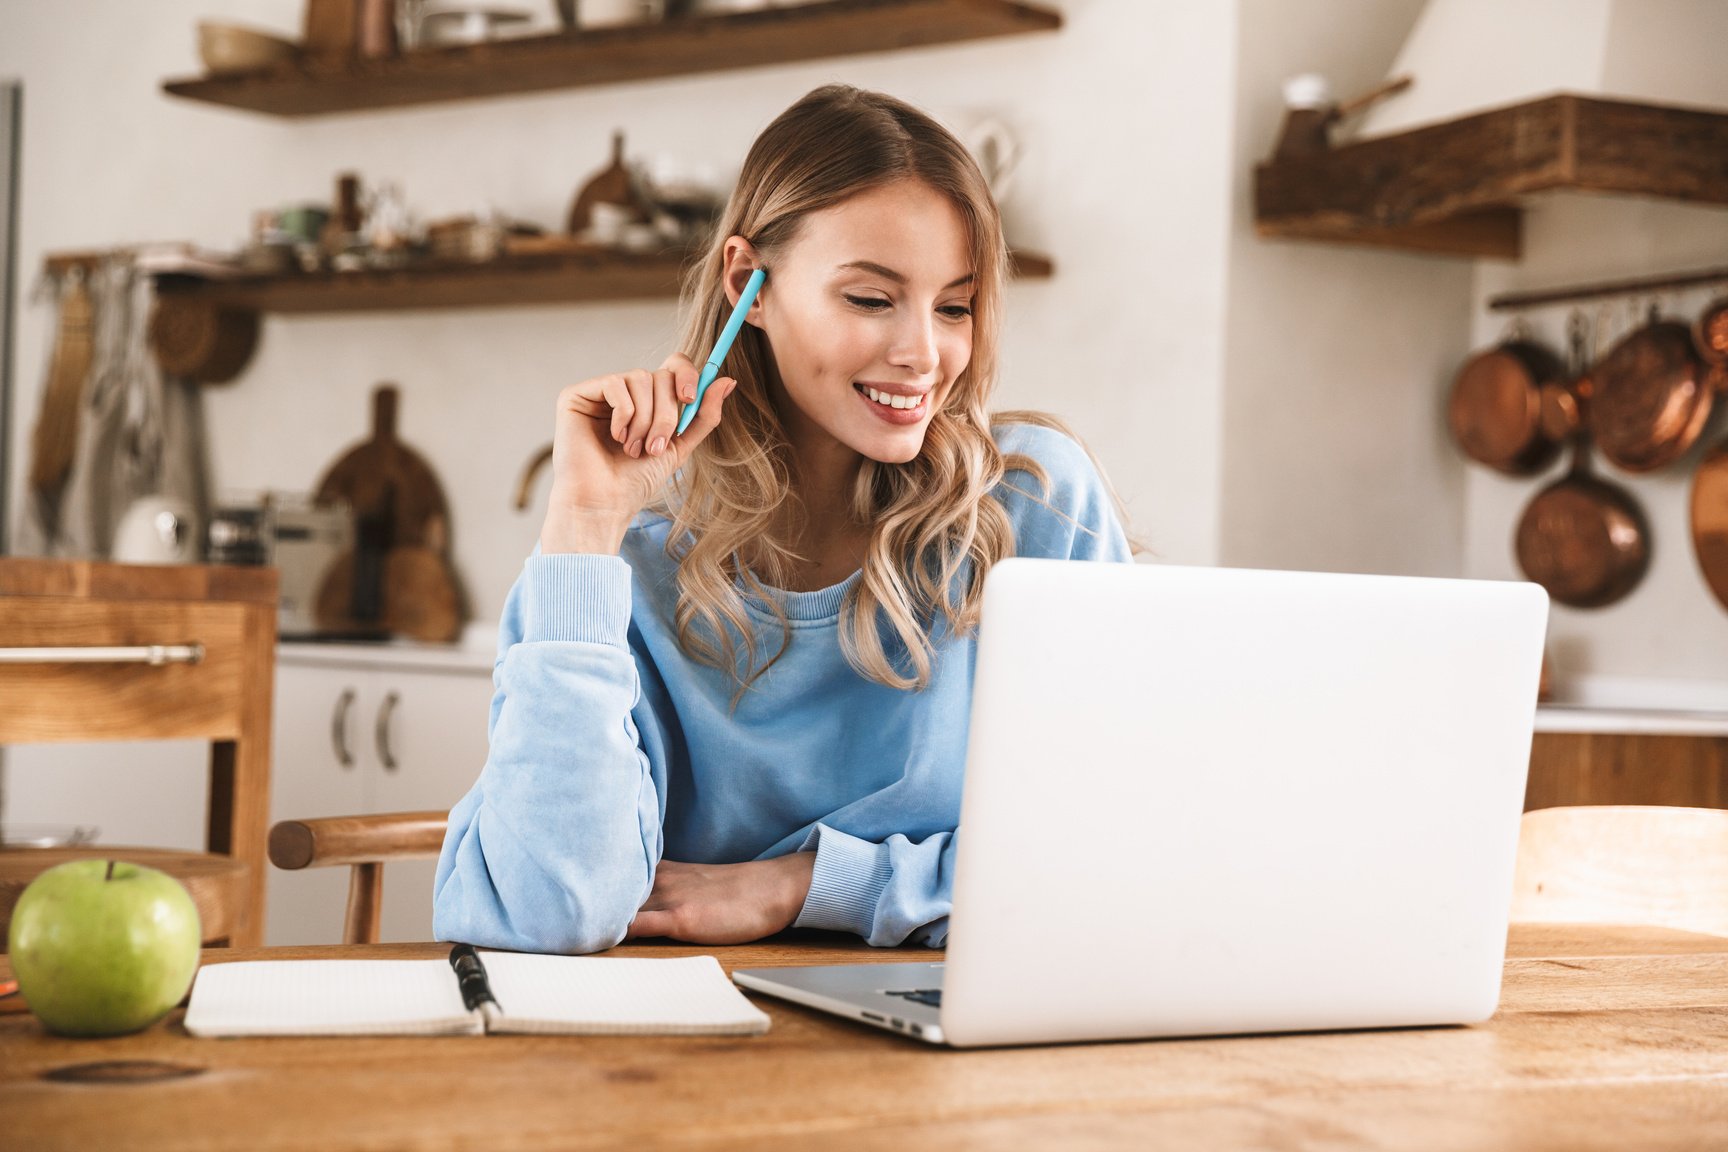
(869, 314)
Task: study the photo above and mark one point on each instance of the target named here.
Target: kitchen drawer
(59, 701)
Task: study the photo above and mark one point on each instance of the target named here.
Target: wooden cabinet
(95, 651)
(350, 738)
(1627, 768)
(357, 739)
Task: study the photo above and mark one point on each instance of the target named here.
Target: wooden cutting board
(384, 478)
(398, 578)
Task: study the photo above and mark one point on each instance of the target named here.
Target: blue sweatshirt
(612, 749)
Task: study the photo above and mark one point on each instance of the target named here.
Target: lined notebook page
(609, 994)
(329, 998)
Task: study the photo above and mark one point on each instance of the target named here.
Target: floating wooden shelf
(1456, 187)
(507, 281)
(311, 87)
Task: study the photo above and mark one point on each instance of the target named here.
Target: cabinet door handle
(382, 734)
(155, 655)
(339, 728)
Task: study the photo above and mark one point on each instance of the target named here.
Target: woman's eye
(869, 303)
(956, 311)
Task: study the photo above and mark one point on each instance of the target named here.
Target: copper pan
(1653, 397)
(1582, 538)
(1711, 333)
(1710, 485)
(1496, 403)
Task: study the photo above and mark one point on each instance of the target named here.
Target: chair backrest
(97, 651)
(1628, 865)
(366, 843)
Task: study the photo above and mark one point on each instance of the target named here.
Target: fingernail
(635, 448)
(658, 446)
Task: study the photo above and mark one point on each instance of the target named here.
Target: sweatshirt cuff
(577, 596)
(847, 883)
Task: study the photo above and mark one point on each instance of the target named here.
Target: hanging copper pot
(1582, 538)
(1711, 333)
(1709, 510)
(1652, 397)
(1496, 404)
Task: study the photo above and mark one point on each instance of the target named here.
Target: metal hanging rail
(1514, 301)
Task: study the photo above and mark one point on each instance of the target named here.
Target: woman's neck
(818, 526)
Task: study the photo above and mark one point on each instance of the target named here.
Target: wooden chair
(91, 651)
(366, 843)
(1606, 864)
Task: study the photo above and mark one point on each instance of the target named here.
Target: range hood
(1513, 99)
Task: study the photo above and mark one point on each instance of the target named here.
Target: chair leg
(238, 823)
(365, 904)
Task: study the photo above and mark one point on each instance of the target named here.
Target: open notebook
(469, 994)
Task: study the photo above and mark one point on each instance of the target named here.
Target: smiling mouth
(893, 399)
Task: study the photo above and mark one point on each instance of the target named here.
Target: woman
(733, 682)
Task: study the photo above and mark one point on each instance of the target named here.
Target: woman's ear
(741, 260)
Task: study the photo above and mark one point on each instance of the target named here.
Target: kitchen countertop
(1644, 721)
(477, 651)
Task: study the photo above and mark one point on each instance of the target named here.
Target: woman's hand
(613, 450)
(725, 903)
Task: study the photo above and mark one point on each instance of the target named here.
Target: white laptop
(1210, 801)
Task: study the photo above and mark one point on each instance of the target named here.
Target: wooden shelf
(1456, 187)
(311, 87)
(504, 282)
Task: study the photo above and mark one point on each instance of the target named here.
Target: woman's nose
(915, 347)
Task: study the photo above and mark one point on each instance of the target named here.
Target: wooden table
(1607, 1038)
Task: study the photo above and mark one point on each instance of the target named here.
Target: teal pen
(711, 370)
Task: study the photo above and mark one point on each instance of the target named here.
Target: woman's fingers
(685, 374)
(649, 924)
(707, 417)
(641, 385)
(665, 420)
(617, 394)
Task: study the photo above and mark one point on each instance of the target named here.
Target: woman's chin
(896, 449)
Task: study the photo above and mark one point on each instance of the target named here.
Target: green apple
(103, 947)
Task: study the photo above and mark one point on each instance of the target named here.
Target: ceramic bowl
(231, 48)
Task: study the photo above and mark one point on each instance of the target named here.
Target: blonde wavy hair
(935, 531)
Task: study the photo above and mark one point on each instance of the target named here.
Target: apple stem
(110, 874)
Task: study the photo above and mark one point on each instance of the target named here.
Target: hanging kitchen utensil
(1709, 503)
(1709, 514)
(1496, 405)
(56, 434)
(1582, 538)
(1652, 397)
(1711, 333)
(197, 340)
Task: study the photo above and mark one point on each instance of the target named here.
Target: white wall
(1335, 455)
(1125, 116)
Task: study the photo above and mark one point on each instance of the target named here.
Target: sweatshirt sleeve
(554, 847)
(899, 890)
(891, 893)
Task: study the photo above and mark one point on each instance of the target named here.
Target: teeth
(892, 400)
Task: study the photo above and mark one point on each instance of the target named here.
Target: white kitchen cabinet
(355, 738)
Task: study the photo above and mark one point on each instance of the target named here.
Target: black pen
(471, 978)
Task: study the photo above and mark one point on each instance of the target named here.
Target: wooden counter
(1607, 1038)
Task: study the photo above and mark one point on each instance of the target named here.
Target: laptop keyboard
(930, 996)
